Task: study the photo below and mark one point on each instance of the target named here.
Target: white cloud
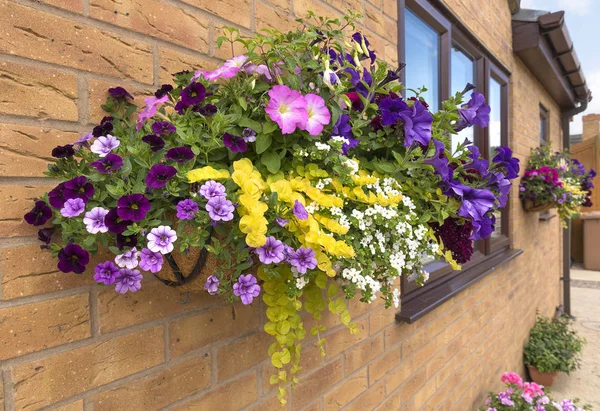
(579, 7)
(534, 4)
(593, 82)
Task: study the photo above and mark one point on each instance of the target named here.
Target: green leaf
(271, 160)
(271, 328)
(268, 127)
(242, 102)
(273, 379)
(283, 327)
(263, 142)
(285, 356)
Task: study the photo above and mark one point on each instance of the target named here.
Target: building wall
(68, 344)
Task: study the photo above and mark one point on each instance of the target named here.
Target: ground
(585, 301)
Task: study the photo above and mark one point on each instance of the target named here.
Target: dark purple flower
(187, 209)
(73, 258)
(111, 162)
(56, 196)
(212, 285)
(133, 207)
(456, 237)
(128, 280)
(39, 214)
(272, 252)
(45, 235)
(66, 151)
(234, 143)
(159, 175)
(180, 154)
(193, 94)
(475, 112)
(303, 259)
(505, 159)
(246, 288)
(104, 128)
(163, 90)
(115, 223)
(119, 92)
(163, 127)
(299, 210)
(343, 128)
(439, 161)
(391, 109)
(106, 272)
(155, 142)
(78, 187)
(417, 124)
(207, 110)
(358, 37)
(126, 241)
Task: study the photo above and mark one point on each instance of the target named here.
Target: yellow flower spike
(206, 173)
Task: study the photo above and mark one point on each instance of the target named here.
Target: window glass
(463, 72)
(495, 135)
(543, 124)
(422, 57)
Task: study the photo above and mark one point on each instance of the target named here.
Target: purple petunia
(104, 145)
(234, 143)
(343, 128)
(129, 259)
(163, 127)
(206, 110)
(193, 94)
(212, 285)
(45, 235)
(161, 239)
(187, 209)
(281, 222)
(475, 112)
(115, 223)
(106, 272)
(111, 162)
(78, 187)
(128, 280)
(133, 207)
(440, 162)
(94, 220)
(39, 214)
(151, 261)
(303, 259)
(505, 159)
(83, 140)
(180, 154)
(126, 241)
(220, 209)
(119, 93)
(390, 110)
(272, 252)
(56, 196)
(72, 207)
(249, 135)
(299, 210)
(73, 258)
(66, 151)
(476, 205)
(246, 288)
(155, 142)
(159, 175)
(417, 124)
(212, 189)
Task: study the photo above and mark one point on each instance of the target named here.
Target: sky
(582, 17)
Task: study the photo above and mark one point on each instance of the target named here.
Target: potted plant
(553, 347)
(554, 180)
(527, 396)
(295, 170)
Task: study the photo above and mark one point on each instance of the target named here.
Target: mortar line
(82, 100)
(8, 387)
(156, 64)
(94, 313)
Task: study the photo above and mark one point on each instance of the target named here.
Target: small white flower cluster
(342, 219)
(322, 146)
(352, 165)
(302, 153)
(396, 297)
(363, 283)
(390, 187)
(323, 182)
(339, 139)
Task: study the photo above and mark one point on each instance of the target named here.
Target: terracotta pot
(529, 205)
(543, 378)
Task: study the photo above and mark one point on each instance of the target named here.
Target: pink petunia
(228, 70)
(318, 115)
(287, 108)
(149, 111)
(511, 378)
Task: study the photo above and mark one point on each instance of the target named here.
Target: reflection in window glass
(463, 72)
(422, 59)
(495, 134)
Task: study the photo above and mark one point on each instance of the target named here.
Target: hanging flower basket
(534, 206)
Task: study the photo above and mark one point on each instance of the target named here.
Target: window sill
(416, 308)
(546, 216)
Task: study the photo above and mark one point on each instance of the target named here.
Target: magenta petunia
(287, 108)
(149, 111)
(318, 115)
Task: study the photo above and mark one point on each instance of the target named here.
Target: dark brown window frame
(445, 282)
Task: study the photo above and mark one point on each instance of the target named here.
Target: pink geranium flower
(287, 108)
(318, 115)
(149, 111)
(512, 378)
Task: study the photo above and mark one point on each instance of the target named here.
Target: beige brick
(398, 376)
(36, 326)
(424, 394)
(310, 359)
(380, 319)
(155, 300)
(375, 21)
(172, 62)
(225, 52)
(197, 331)
(156, 18)
(381, 365)
(35, 92)
(40, 36)
(98, 92)
(18, 200)
(242, 354)
(269, 17)
(315, 384)
(72, 5)
(25, 151)
(1, 395)
(363, 353)
(74, 406)
(369, 399)
(282, 4)
(271, 403)
(392, 403)
(159, 389)
(413, 384)
(51, 379)
(342, 339)
(232, 396)
(235, 11)
(344, 393)
(390, 8)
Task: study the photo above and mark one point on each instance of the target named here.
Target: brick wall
(70, 345)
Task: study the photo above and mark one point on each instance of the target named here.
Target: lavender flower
(104, 145)
(119, 93)
(39, 214)
(220, 209)
(73, 258)
(115, 223)
(504, 398)
(94, 220)
(161, 239)
(272, 252)
(163, 127)
(187, 209)
(78, 187)
(106, 272)
(246, 288)
(281, 222)
(212, 189)
(151, 261)
(83, 140)
(249, 135)
(417, 124)
(159, 175)
(133, 207)
(73, 207)
(212, 285)
(129, 259)
(66, 151)
(111, 162)
(299, 210)
(128, 280)
(155, 142)
(179, 154)
(303, 259)
(234, 143)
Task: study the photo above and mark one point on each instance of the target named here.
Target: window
(447, 58)
(543, 125)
